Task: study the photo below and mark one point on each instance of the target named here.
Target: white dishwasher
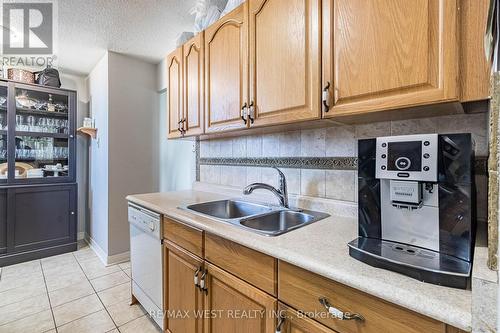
(146, 260)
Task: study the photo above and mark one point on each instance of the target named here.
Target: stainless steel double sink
(259, 218)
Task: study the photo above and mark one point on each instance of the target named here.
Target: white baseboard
(102, 255)
(119, 258)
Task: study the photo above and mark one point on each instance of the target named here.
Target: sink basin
(277, 223)
(261, 219)
(229, 209)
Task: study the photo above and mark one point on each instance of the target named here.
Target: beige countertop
(322, 248)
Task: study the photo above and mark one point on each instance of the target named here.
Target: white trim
(97, 249)
(81, 235)
(119, 258)
(102, 255)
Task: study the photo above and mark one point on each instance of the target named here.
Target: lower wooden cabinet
(237, 306)
(291, 321)
(184, 300)
(213, 295)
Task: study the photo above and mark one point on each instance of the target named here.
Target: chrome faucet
(281, 193)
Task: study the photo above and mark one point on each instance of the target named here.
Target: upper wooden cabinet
(193, 63)
(226, 71)
(285, 61)
(474, 67)
(388, 54)
(174, 93)
(185, 89)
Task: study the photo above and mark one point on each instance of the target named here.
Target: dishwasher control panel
(144, 219)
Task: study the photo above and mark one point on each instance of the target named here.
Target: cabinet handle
(338, 313)
(203, 286)
(181, 126)
(196, 280)
(281, 321)
(251, 112)
(326, 97)
(244, 113)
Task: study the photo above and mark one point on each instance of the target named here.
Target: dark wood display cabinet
(38, 190)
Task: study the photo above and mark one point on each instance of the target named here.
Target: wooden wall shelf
(92, 132)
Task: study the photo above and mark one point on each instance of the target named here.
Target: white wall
(133, 141)
(97, 229)
(175, 156)
(79, 84)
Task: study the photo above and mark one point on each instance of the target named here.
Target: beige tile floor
(72, 292)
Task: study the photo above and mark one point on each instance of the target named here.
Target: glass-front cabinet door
(4, 166)
(43, 135)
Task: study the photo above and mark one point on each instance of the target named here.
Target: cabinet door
(293, 322)
(3, 221)
(389, 54)
(44, 216)
(285, 60)
(193, 85)
(181, 294)
(174, 92)
(237, 306)
(226, 61)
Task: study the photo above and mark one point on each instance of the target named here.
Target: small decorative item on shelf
(88, 128)
(21, 75)
(50, 105)
(24, 101)
(88, 122)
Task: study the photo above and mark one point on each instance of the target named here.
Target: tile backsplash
(335, 141)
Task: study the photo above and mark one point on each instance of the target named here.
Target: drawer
(183, 235)
(252, 266)
(302, 290)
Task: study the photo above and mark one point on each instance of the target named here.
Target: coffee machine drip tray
(424, 265)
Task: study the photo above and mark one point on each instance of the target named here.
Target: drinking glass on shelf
(42, 123)
(32, 124)
(19, 122)
(3, 121)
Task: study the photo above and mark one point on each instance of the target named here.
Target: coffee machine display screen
(404, 156)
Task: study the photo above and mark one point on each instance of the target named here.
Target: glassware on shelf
(24, 101)
(3, 121)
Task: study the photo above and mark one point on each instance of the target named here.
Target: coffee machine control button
(383, 167)
(403, 163)
(384, 156)
(426, 155)
(403, 174)
(384, 145)
(426, 143)
(426, 168)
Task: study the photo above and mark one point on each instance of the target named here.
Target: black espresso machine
(415, 206)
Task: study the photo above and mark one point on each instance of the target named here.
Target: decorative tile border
(320, 163)
(197, 152)
(328, 163)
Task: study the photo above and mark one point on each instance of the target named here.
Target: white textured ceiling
(142, 28)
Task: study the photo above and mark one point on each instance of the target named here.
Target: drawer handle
(280, 322)
(339, 314)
